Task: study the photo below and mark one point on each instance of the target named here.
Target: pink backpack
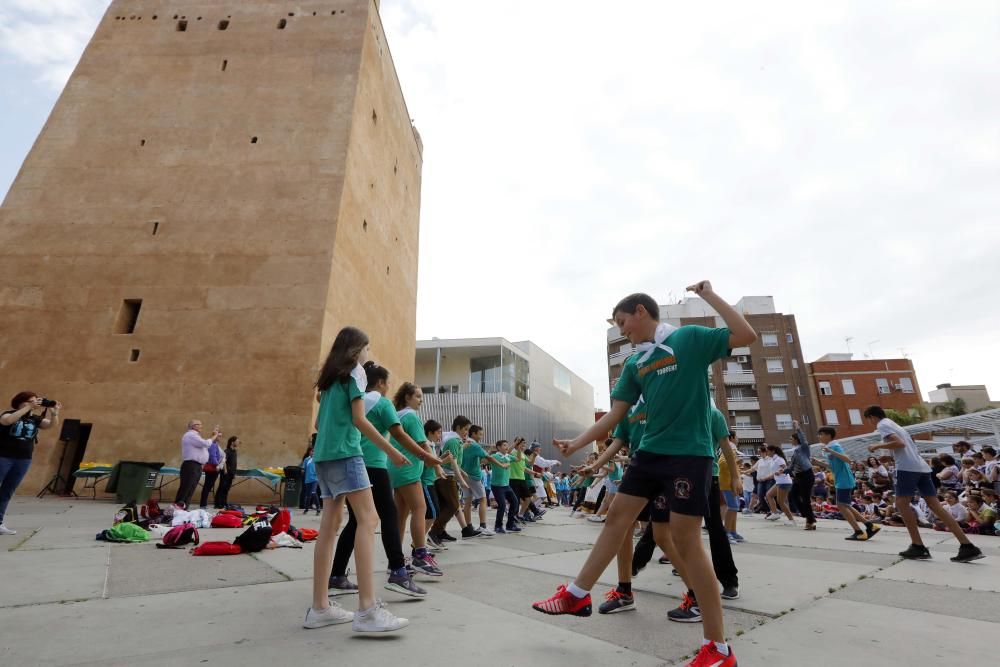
(180, 536)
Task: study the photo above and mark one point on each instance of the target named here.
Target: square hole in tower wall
(182, 26)
(128, 316)
(133, 356)
(223, 24)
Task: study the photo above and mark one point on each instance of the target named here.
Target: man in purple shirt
(194, 455)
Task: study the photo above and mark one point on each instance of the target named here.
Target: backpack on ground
(123, 532)
(281, 522)
(224, 520)
(304, 534)
(180, 536)
(216, 549)
(128, 514)
(151, 510)
(255, 538)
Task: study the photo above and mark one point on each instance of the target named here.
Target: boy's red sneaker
(709, 656)
(564, 602)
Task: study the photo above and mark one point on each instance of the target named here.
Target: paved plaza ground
(807, 598)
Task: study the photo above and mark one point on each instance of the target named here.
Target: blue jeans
(507, 502)
(311, 497)
(12, 471)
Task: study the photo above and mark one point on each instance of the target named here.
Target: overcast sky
(842, 157)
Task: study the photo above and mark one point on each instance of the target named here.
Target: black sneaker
(636, 570)
(341, 586)
(513, 528)
(916, 552)
(616, 601)
(446, 537)
(664, 560)
(435, 541)
(687, 612)
(860, 536)
(967, 553)
(469, 532)
(675, 573)
(730, 593)
(871, 529)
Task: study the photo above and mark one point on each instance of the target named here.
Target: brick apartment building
(760, 388)
(843, 387)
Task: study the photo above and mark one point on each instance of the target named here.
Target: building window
(743, 422)
(784, 422)
(848, 386)
(128, 316)
(906, 384)
(883, 385)
(805, 419)
(562, 380)
(831, 417)
(854, 415)
(825, 389)
(798, 390)
(788, 338)
(779, 392)
(795, 363)
(774, 366)
(769, 339)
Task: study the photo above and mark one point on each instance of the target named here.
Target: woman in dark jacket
(226, 478)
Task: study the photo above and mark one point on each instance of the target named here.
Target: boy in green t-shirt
(447, 488)
(674, 459)
(500, 485)
(472, 455)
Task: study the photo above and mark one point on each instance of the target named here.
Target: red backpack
(180, 536)
(217, 549)
(281, 522)
(226, 521)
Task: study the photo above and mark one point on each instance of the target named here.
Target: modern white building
(509, 389)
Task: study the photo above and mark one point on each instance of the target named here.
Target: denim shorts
(612, 487)
(910, 483)
(343, 476)
(784, 487)
(731, 502)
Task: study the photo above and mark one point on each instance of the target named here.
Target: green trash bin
(133, 481)
(294, 476)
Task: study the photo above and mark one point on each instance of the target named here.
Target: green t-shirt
(720, 430)
(401, 476)
(501, 476)
(630, 429)
(471, 456)
(430, 472)
(453, 445)
(383, 417)
(336, 436)
(674, 383)
(615, 474)
(517, 467)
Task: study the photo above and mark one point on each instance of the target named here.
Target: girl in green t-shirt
(406, 480)
(341, 475)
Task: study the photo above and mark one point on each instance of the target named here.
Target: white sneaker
(4, 530)
(788, 522)
(332, 615)
(772, 517)
(378, 619)
(486, 532)
(593, 518)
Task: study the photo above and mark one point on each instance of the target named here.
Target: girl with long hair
(777, 495)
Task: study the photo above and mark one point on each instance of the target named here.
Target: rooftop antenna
(902, 352)
(871, 354)
(847, 341)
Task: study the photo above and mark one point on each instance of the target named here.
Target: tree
(903, 418)
(955, 408)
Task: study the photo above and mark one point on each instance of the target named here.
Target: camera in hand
(48, 403)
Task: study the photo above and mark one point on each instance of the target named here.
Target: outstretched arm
(740, 331)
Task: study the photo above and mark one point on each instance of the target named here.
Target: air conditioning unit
(742, 359)
(753, 385)
(897, 387)
(732, 413)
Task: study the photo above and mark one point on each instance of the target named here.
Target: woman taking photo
(18, 434)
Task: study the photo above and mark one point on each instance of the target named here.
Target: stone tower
(221, 186)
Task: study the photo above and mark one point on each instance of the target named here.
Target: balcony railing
(620, 356)
(739, 377)
(749, 432)
(743, 403)
(741, 352)
(614, 336)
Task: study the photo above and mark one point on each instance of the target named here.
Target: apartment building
(761, 388)
(843, 387)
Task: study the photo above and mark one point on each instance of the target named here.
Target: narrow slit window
(182, 26)
(156, 228)
(374, 116)
(142, 142)
(128, 316)
(223, 24)
(133, 355)
(225, 63)
(281, 24)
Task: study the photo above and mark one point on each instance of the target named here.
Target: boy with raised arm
(675, 455)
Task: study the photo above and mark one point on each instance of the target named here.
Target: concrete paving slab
(959, 602)
(829, 535)
(645, 630)
(63, 537)
(261, 625)
(33, 577)
(838, 632)
(142, 569)
(768, 585)
(981, 575)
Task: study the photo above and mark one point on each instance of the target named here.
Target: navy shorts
(682, 481)
(656, 510)
(914, 484)
(845, 496)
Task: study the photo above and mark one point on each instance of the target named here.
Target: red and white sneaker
(564, 602)
(709, 656)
